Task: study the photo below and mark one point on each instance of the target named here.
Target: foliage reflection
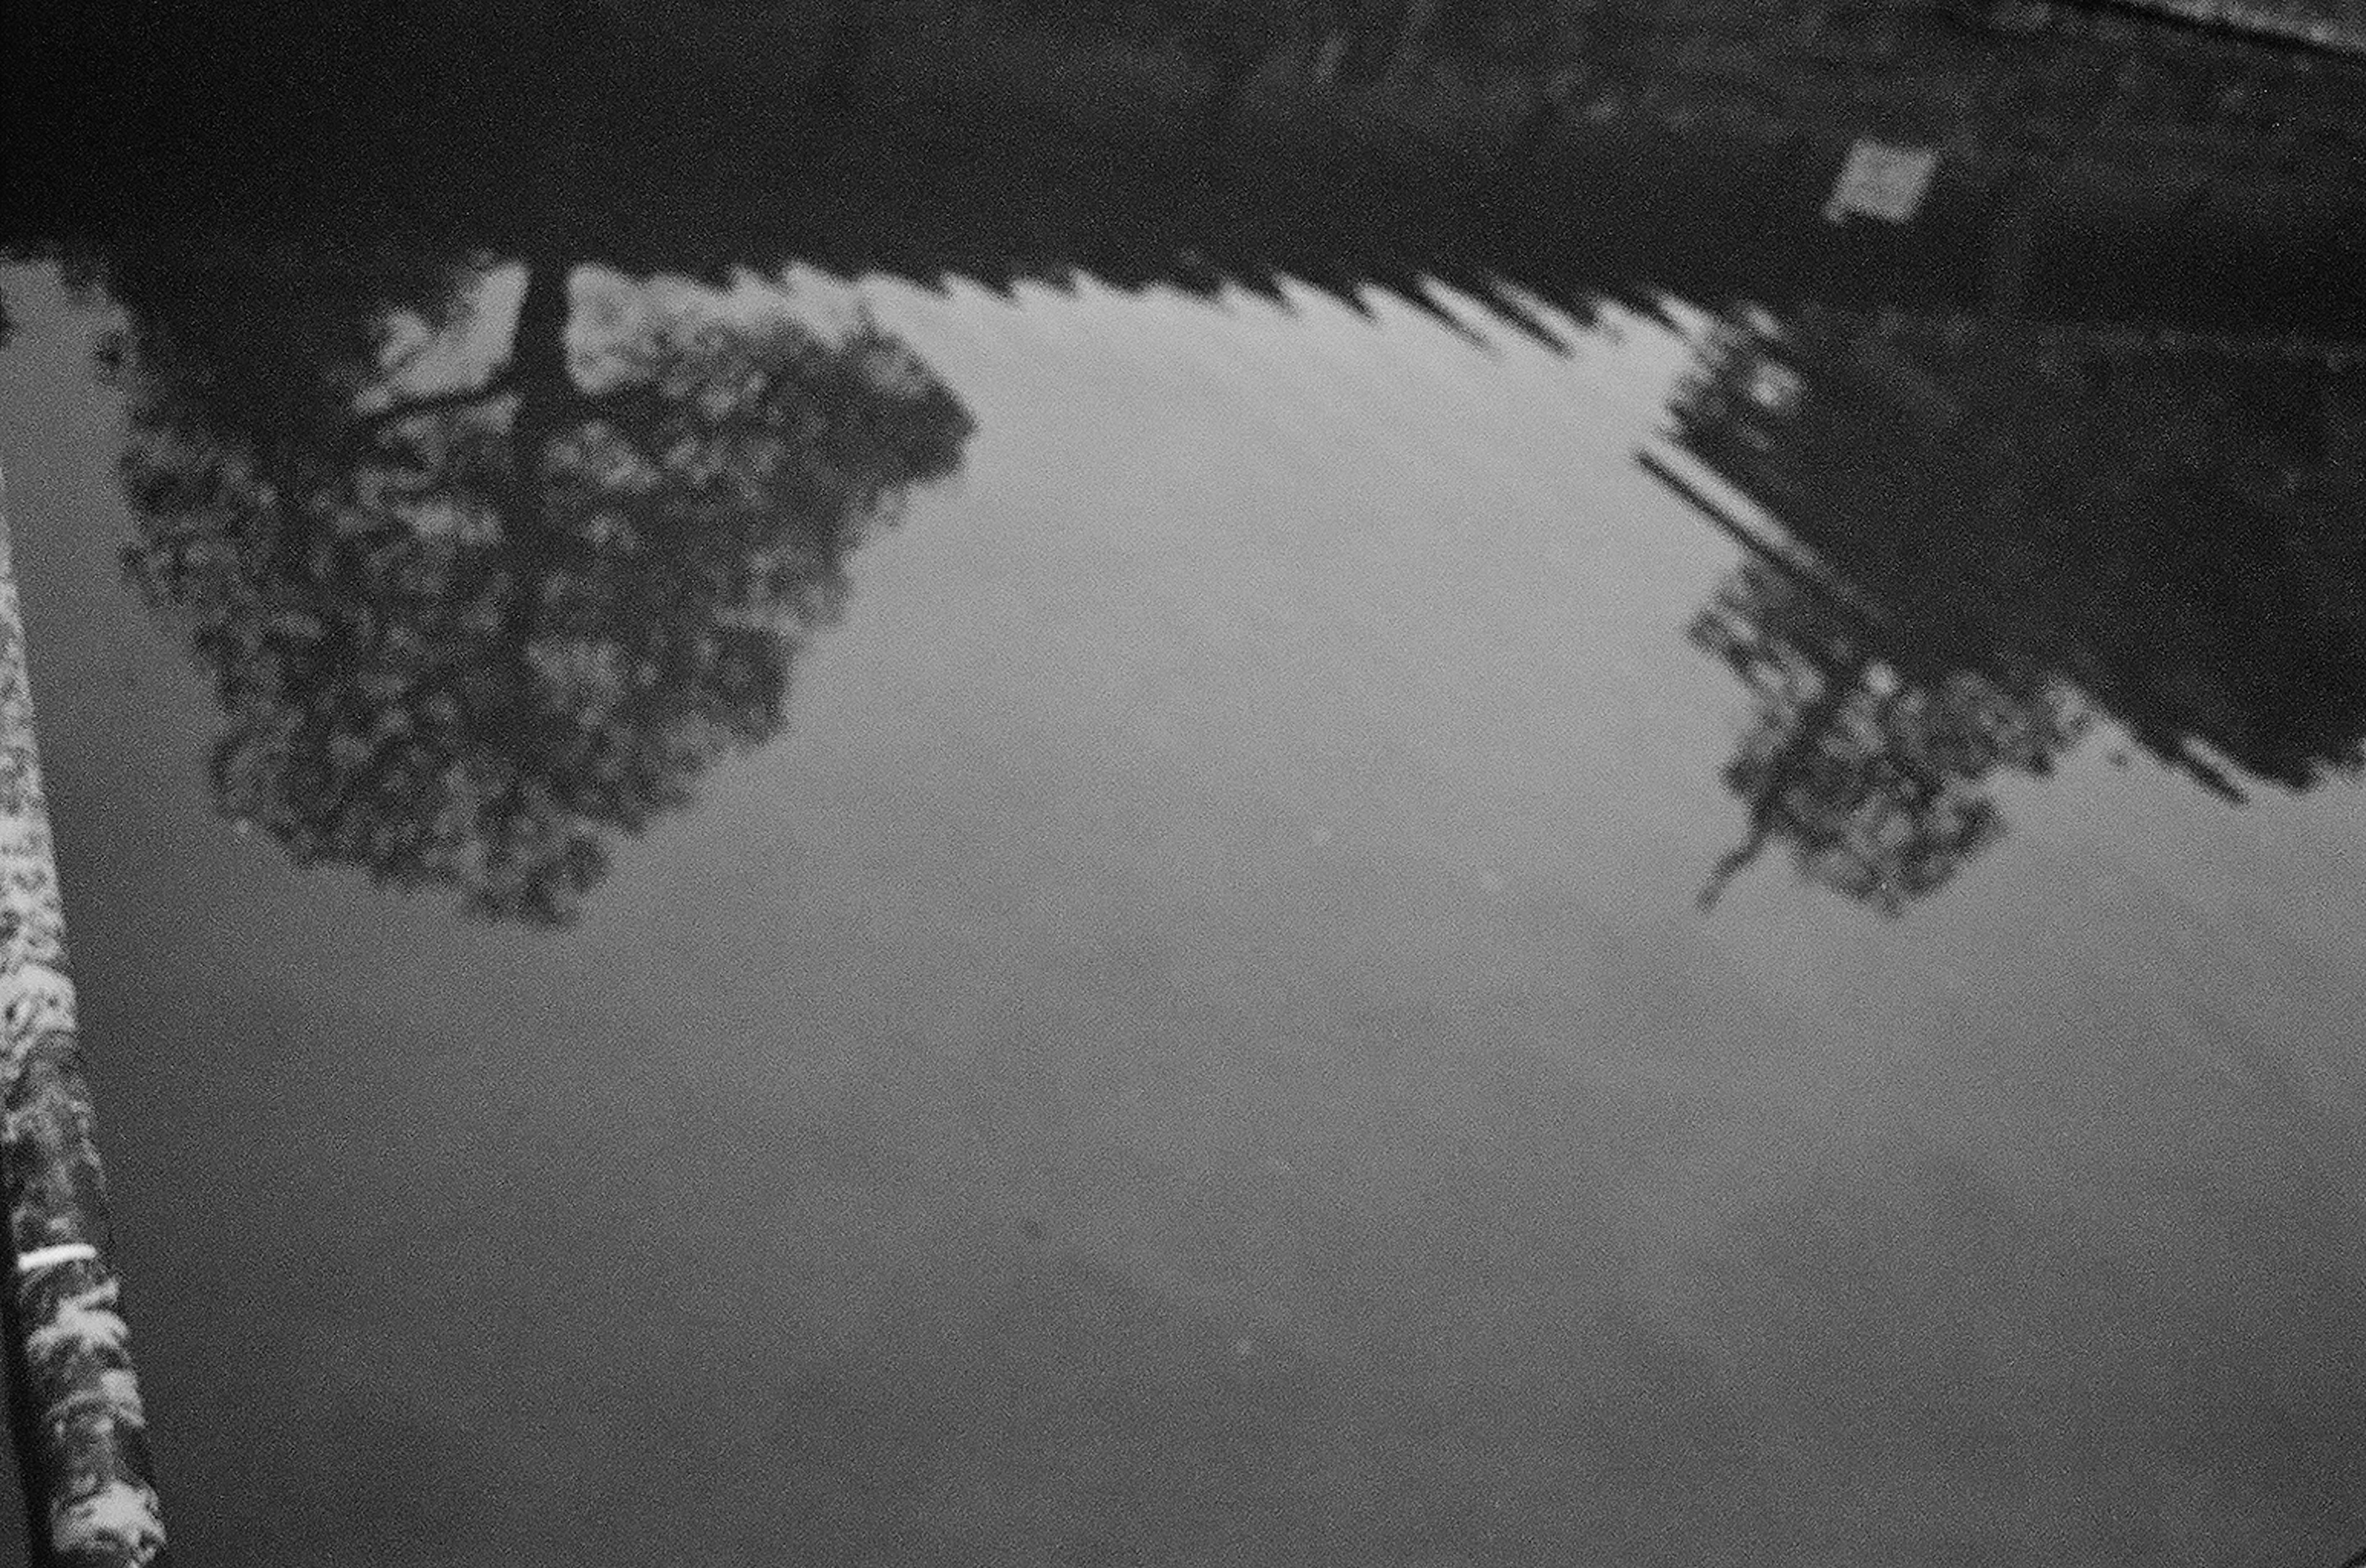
(467, 624)
(1984, 532)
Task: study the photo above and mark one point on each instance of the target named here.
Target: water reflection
(468, 622)
(1403, 1209)
(1982, 529)
(490, 562)
(1873, 781)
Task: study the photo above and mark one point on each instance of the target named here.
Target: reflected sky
(1197, 1045)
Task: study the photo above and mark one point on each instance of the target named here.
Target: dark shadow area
(2090, 168)
(1984, 531)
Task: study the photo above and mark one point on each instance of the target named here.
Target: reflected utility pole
(81, 1437)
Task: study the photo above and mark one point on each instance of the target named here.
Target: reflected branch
(382, 420)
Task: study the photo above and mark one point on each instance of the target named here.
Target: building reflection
(1967, 536)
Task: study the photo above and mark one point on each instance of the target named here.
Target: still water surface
(1201, 1039)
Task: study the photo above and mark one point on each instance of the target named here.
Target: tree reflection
(1986, 529)
(466, 628)
(1873, 781)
